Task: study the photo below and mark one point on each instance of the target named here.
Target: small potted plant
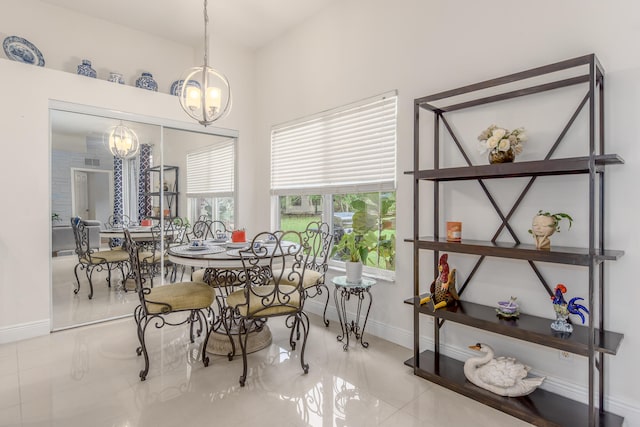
(544, 225)
(354, 249)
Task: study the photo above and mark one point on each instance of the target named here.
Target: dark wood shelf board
(541, 408)
(527, 327)
(557, 254)
(566, 166)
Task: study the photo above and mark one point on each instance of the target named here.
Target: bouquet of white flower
(500, 141)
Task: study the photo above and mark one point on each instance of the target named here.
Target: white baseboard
(627, 409)
(24, 331)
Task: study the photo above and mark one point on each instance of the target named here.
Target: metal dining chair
(158, 306)
(91, 259)
(266, 294)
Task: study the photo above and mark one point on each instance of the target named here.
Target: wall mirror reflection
(163, 182)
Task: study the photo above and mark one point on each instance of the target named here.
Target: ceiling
(249, 23)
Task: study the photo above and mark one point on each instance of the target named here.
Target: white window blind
(212, 171)
(348, 149)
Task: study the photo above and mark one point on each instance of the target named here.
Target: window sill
(384, 275)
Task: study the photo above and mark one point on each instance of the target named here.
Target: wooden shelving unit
(592, 341)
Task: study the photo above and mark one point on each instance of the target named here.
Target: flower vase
(502, 156)
(561, 324)
(85, 69)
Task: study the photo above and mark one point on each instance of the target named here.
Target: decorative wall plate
(21, 50)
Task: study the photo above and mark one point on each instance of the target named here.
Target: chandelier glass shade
(123, 142)
(205, 94)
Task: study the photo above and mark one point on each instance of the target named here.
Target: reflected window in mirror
(211, 183)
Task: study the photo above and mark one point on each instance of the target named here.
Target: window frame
(328, 191)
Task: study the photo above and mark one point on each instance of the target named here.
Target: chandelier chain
(206, 36)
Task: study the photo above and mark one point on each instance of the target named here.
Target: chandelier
(205, 94)
(122, 142)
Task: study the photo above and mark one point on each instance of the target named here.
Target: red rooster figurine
(443, 288)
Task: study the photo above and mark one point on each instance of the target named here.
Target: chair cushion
(257, 308)
(180, 296)
(310, 278)
(149, 257)
(100, 257)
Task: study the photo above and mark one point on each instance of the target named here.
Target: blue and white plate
(176, 87)
(21, 50)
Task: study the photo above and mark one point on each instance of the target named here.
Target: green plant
(557, 217)
(55, 217)
(355, 247)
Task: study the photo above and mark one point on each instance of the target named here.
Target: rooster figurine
(443, 288)
(564, 308)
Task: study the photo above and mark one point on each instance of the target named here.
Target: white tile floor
(88, 376)
(70, 309)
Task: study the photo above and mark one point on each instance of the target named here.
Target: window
(339, 167)
(211, 183)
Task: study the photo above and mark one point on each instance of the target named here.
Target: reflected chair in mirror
(91, 259)
(265, 294)
(176, 232)
(163, 305)
(116, 222)
(208, 229)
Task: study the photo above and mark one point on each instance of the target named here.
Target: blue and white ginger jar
(85, 69)
(145, 81)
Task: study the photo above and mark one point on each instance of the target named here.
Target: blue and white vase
(85, 69)
(145, 81)
(116, 78)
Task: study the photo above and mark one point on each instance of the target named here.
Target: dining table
(223, 266)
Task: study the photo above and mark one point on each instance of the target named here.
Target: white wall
(353, 50)
(360, 48)
(64, 38)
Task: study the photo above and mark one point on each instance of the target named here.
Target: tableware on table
(197, 248)
(236, 245)
(21, 50)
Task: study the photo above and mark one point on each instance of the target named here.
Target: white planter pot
(354, 271)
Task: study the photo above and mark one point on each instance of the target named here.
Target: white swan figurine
(503, 375)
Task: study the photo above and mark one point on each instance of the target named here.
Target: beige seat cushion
(149, 257)
(180, 296)
(310, 278)
(100, 257)
(257, 307)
